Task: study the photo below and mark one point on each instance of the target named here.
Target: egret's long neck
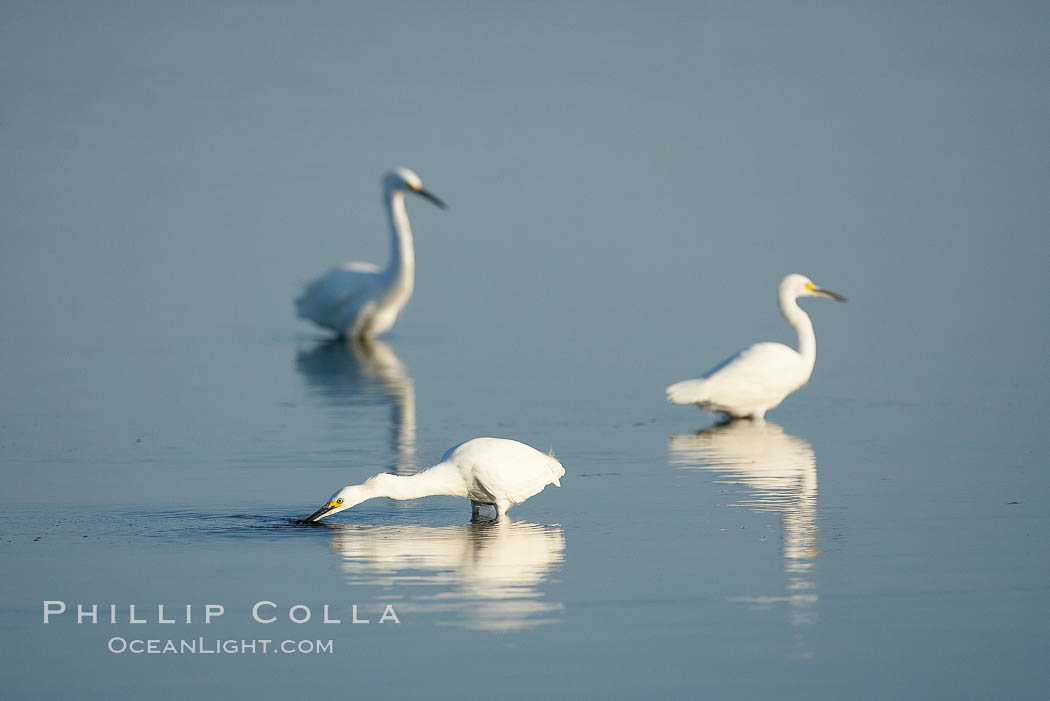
(442, 479)
(799, 320)
(402, 255)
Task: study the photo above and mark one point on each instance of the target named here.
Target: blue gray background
(628, 183)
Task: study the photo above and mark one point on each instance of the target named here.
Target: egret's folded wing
(326, 301)
(757, 373)
(752, 375)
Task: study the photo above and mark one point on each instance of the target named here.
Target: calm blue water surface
(628, 185)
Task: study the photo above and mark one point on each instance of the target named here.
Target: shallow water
(627, 189)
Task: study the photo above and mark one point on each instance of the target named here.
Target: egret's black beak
(320, 513)
(830, 295)
(432, 197)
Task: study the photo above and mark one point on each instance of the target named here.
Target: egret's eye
(809, 286)
(339, 500)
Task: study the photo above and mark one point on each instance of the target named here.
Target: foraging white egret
(493, 472)
(758, 378)
(358, 299)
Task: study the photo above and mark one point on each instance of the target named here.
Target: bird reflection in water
(781, 472)
(484, 575)
(362, 373)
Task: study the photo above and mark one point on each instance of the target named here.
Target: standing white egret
(359, 299)
(758, 378)
(493, 472)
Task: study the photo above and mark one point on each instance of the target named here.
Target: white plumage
(495, 472)
(759, 377)
(360, 299)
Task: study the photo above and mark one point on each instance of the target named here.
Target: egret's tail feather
(687, 392)
(557, 471)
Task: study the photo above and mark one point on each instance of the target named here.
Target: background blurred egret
(495, 472)
(758, 378)
(359, 299)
